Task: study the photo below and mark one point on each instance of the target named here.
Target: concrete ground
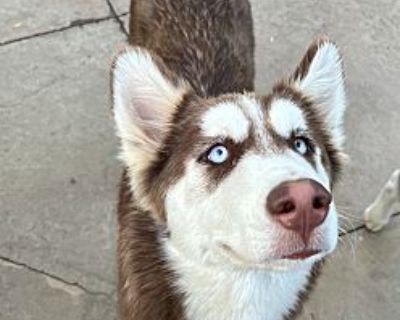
(58, 167)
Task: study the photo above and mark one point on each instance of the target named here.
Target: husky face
(240, 179)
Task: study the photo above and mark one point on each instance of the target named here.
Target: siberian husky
(226, 209)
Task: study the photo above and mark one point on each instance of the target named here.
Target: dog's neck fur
(236, 294)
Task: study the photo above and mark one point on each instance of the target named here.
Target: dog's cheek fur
(167, 167)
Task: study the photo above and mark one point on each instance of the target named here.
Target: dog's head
(238, 179)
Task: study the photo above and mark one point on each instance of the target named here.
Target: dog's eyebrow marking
(254, 112)
(285, 117)
(225, 119)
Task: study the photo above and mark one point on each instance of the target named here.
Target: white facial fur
(284, 116)
(226, 120)
(235, 213)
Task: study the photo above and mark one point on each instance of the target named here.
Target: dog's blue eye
(218, 154)
(301, 145)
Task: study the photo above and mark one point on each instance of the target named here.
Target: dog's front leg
(377, 215)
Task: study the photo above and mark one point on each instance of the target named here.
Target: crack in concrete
(117, 17)
(72, 24)
(79, 286)
(76, 285)
(363, 227)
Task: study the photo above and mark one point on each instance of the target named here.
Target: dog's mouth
(296, 257)
(301, 255)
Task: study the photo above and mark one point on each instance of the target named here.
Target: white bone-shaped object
(378, 214)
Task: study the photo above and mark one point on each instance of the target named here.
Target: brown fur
(209, 43)
(303, 67)
(145, 282)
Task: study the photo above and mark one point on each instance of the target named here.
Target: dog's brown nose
(300, 206)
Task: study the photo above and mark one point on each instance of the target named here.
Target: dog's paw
(375, 219)
(377, 215)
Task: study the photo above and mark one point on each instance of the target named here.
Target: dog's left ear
(320, 76)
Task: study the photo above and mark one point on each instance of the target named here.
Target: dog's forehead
(285, 116)
(225, 119)
(242, 115)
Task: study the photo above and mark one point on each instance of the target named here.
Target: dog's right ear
(145, 97)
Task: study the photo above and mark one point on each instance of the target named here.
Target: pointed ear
(145, 97)
(320, 76)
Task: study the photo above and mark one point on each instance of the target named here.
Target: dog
(226, 209)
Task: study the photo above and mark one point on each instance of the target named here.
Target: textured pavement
(58, 167)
